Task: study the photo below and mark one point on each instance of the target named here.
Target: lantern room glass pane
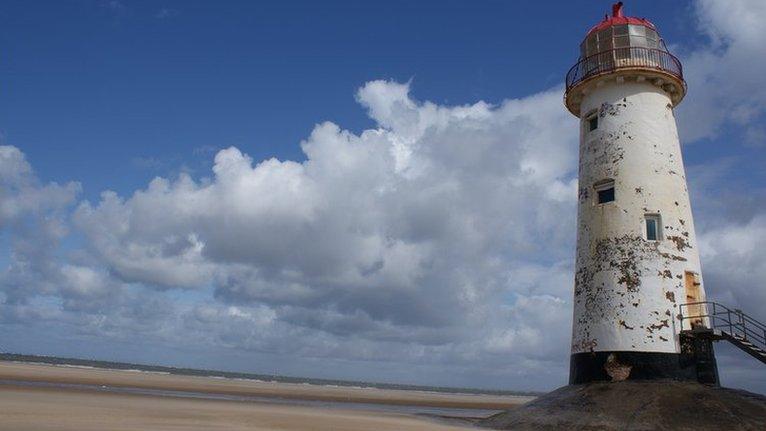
(652, 40)
(637, 30)
(639, 41)
(605, 34)
(621, 41)
(619, 37)
(591, 45)
(620, 30)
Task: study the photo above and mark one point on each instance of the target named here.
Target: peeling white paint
(628, 289)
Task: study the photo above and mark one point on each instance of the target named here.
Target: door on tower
(695, 312)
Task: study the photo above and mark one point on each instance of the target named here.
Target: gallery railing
(630, 57)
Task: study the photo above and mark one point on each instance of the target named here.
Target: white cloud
(725, 76)
(735, 260)
(32, 214)
(436, 236)
(21, 193)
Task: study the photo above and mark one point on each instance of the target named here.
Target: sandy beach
(44, 397)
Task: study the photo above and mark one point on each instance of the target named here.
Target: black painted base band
(697, 363)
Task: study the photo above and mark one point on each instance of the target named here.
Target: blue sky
(111, 94)
(443, 116)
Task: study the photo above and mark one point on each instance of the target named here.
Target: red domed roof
(618, 18)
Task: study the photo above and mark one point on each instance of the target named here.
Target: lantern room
(623, 47)
(619, 31)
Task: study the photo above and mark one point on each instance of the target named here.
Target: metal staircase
(710, 320)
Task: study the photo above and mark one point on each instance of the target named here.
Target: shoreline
(249, 388)
(38, 397)
(268, 378)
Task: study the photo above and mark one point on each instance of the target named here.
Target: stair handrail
(715, 316)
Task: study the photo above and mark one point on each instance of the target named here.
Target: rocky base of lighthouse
(637, 405)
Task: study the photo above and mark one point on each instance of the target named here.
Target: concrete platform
(637, 405)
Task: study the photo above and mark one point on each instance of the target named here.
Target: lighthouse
(637, 255)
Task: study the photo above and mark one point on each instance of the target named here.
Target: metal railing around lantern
(629, 57)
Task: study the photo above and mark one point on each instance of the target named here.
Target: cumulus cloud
(436, 237)
(735, 259)
(38, 285)
(32, 213)
(725, 74)
(22, 194)
(402, 233)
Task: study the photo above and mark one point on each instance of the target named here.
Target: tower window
(653, 227)
(591, 121)
(605, 191)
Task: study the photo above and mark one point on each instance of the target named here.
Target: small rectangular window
(591, 121)
(606, 195)
(605, 191)
(653, 228)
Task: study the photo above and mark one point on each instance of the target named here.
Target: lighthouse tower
(637, 254)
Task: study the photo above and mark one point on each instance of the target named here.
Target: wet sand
(43, 397)
(33, 409)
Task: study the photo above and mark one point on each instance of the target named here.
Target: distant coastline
(180, 371)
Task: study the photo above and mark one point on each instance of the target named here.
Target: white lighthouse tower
(637, 256)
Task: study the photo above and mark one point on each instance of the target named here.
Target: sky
(347, 190)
